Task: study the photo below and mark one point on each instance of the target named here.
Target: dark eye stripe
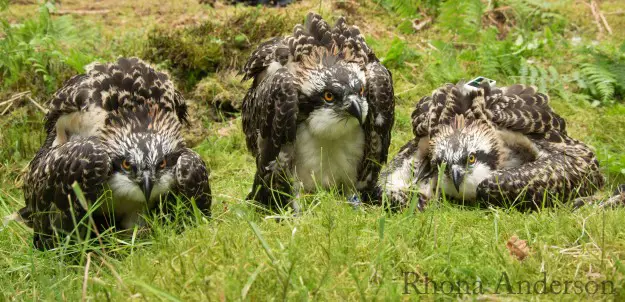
(489, 159)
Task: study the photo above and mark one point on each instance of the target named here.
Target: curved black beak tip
(147, 187)
(355, 110)
(457, 177)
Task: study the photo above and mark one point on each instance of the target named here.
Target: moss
(222, 93)
(189, 56)
(194, 52)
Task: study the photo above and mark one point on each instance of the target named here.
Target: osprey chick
(319, 113)
(116, 127)
(500, 145)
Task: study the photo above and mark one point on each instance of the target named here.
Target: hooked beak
(355, 110)
(457, 176)
(147, 186)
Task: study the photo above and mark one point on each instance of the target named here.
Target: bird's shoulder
(106, 87)
(262, 57)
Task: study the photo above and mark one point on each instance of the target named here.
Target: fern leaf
(463, 17)
(600, 79)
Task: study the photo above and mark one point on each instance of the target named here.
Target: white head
(471, 152)
(333, 97)
(144, 145)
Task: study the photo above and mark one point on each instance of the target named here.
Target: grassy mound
(195, 52)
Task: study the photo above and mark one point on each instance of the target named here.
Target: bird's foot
(583, 201)
(401, 199)
(297, 209)
(422, 201)
(355, 201)
(617, 199)
(614, 201)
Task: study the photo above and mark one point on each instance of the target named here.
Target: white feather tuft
(379, 120)
(328, 151)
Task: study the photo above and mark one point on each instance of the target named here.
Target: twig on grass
(44, 110)
(81, 12)
(86, 278)
(600, 20)
(11, 100)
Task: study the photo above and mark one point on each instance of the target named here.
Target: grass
(331, 251)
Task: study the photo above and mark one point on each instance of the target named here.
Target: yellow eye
(471, 159)
(328, 96)
(125, 165)
(163, 164)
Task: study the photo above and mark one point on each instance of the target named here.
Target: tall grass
(330, 251)
(40, 53)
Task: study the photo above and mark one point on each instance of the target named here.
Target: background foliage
(331, 251)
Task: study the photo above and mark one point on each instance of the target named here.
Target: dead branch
(9, 103)
(618, 13)
(605, 23)
(14, 98)
(44, 110)
(86, 278)
(600, 20)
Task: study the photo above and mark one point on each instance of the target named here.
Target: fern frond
(35, 53)
(445, 67)
(411, 8)
(403, 8)
(398, 53)
(534, 13)
(600, 80)
(463, 17)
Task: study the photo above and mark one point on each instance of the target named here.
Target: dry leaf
(518, 247)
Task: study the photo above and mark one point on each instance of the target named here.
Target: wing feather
(517, 108)
(129, 82)
(440, 109)
(261, 58)
(192, 180)
(567, 169)
(48, 184)
(378, 126)
(270, 124)
(521, 108)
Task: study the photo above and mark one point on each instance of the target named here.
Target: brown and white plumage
(116, 127)
(501, 145)
(289, 124)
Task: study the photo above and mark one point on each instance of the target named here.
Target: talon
(422, 202)
(354, 201)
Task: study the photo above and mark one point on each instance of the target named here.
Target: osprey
(499, 145)
(319, 113)
(115, 128)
